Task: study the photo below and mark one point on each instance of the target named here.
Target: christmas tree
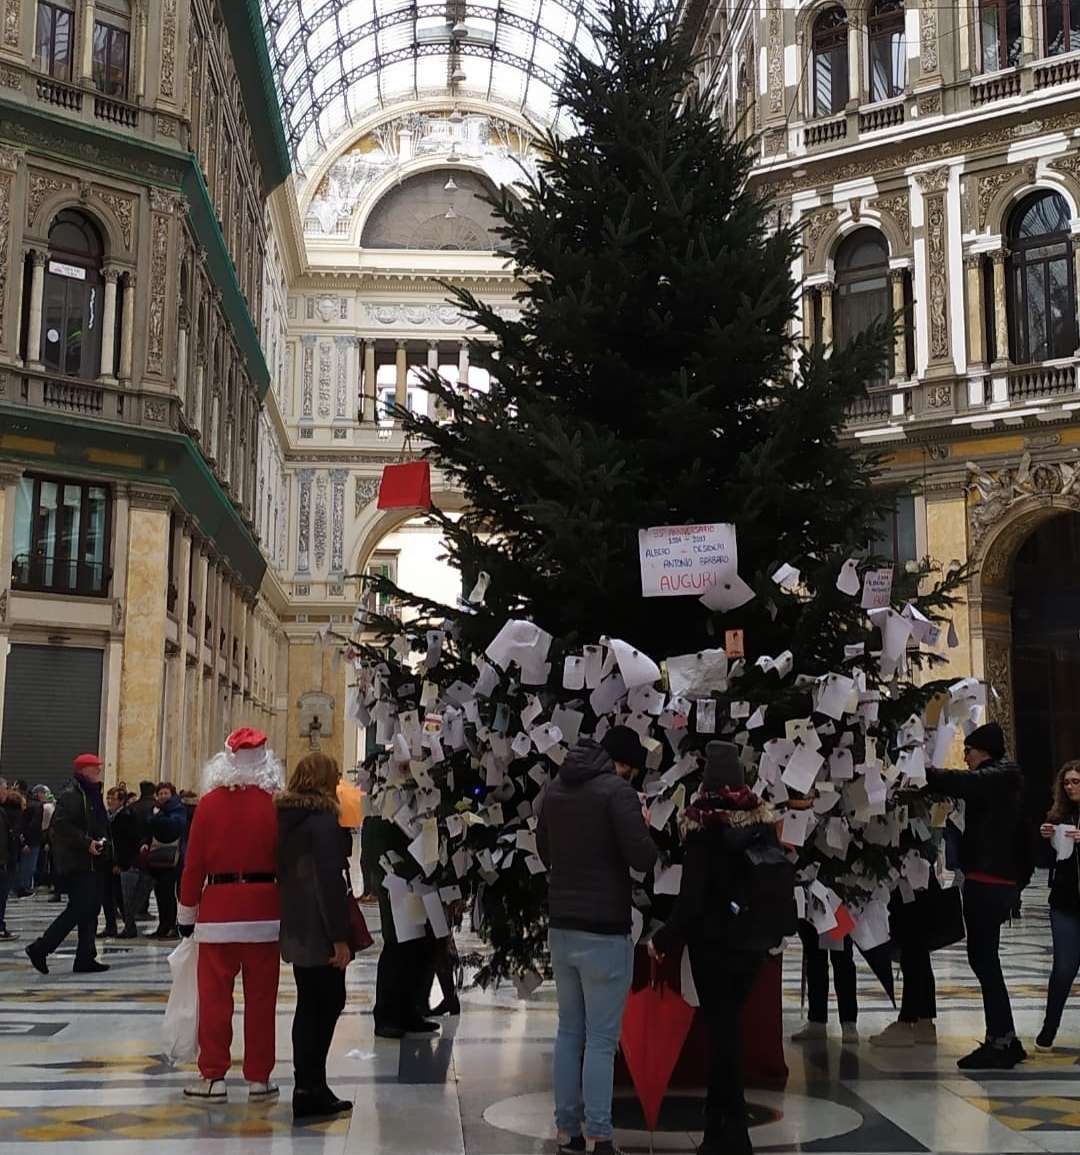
(651, 380)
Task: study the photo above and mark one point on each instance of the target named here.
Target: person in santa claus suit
(229, 899)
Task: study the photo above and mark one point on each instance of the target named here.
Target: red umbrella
(654, 1028)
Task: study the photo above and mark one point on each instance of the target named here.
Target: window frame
(93, 265)
(834, 45)
(1017, 294)
(112, 29)
(1065, 9)
(54, 9)
(35, 580)
(882, 26)
(1004, 54)
(849, 276)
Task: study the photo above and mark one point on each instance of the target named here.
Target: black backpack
(762, 907)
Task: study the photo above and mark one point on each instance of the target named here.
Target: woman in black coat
(735, 904)
(312, 857)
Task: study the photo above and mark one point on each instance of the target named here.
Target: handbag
(933, 921)
(160, 855)
(359, 935)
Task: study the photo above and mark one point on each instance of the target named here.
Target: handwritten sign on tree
(679, 560)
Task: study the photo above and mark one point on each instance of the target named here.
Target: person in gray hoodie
(591, 834)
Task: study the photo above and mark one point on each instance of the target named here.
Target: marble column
(108, 324)
(1027, 32)
(826, 290)
(401, 378)
(463, 366)
(87, 54)
(1001, 315)
(808, 318)
(37, 301)
(900, 365)
(976, 315)
(9, 479)
(370, 387)
(182, 370)
(433, 351)
(143, 673)
(854, 71)
(127, 327)
(175, 714)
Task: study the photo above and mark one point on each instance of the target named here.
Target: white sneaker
(849, 1032)
(212, 1090)
(895, 1035)
(926, 1032)
(260, 1092)
(809, 1032)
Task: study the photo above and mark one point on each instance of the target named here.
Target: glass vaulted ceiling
(338, 61)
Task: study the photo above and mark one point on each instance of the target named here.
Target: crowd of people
(258, 871)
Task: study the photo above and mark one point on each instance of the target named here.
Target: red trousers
(219, 964)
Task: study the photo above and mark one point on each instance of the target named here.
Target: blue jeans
(1065, 927)
(28, 868)
(592, 980)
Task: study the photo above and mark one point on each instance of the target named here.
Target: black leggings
(320, 999)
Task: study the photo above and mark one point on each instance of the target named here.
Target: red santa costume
(228, 894)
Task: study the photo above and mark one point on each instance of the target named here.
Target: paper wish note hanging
(847, 581)
(636, 668)
(697, 675)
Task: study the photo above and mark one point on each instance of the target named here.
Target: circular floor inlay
(781, 1119)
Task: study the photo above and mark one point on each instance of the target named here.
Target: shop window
(61, 542)
(54, 39)
(71, 316)
(888, 50)
(830, 45)
(1062, 26)
(1002, 40)
(1042, 280)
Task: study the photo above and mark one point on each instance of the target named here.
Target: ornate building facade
(930, 155)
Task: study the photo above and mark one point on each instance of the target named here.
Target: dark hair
(129, 798)
(166, 786)
(315, 773)
(146, 788)
(1062, 810)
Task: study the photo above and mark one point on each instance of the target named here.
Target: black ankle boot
(318, 1104)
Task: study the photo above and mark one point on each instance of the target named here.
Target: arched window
(999, 27)
(888, 50)
(862, 285)
(71, 314)
(1062, 26)
(1042, 283)
(830, 43)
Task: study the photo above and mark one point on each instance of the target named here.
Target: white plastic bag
(180, 1031)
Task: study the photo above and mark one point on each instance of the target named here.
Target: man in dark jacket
(11, 818)
(82, 852)
(994, 861)
(137, 883)
(591, 834)
(33, 836)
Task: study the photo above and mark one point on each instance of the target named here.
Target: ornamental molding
(6, 183)
(898, 207)
(43, 185)
(989, 185)
(775, 56)
(12, 22)
(928, 36)
(424, 316)
(995, 495)
(817, 223)
(936, 180)
(937, 271)
(367, 490)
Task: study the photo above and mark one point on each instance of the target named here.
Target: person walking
(735, 904)
(229, 901)
(995, 859)
(165, 857)
(312, 858)
(33, 836)
(591, 833)
(1064, 902)
(11, 816)
(82, 857)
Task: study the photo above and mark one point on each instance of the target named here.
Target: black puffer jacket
(995, 837)
(77, 821)
(590, 835)
(312, 851)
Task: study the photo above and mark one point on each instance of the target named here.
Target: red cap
(245, 739)
(85, 761)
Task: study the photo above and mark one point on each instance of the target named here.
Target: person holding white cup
(1062, 827)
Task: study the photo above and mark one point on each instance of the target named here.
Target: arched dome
(423, 213)
(336, 60)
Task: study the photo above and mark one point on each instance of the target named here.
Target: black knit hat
(722, 767)
(989, 739)
(623, 745)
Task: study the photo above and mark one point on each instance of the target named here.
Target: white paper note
(797, 825)
(802, 769)
(667, 879)
(1062, 843)
(847, 581)
(729, 593)
(573, 673)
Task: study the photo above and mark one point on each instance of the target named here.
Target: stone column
(87, 55)
(1027, 33)
(976, 324)
(196, 722)
(808, 318)
(401, 380)
(9, 479)
(370, 386)
(854, 52)
(140, 53)
(433, 348)
(1001, 315)
(463, 366)
(198, 418)
(182, 369)
(108, 324)
(127, 327)
(37, 301)
(143, 673)
(826, 289)
(900, 365)
(1076, 261)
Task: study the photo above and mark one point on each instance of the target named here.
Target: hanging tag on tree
(734, 643)
(405, 486)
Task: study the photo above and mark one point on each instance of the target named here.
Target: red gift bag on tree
(405, 486)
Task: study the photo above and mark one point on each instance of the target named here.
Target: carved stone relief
(997, 493)
(303, 535)
(5, 236)
(933, 185)
(776, 58)
(447, 316)
(367, 489)
(42, 186)
(929, 103)
(308, 377)
(319, 523)
(159, 265)
(344, 351)
(338, 477)
(928, 36)
(999, 700)
(819, 221)
(12, 22)
(325, 371)
(898, 207)
(123, 208)
(168, 48)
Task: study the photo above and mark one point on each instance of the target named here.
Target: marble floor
(81, 1071)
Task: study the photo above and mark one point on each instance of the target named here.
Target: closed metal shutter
(52, 712)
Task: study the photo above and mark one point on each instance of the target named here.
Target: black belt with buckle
(229, 879)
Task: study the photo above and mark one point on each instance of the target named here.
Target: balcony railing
(1033, 382)
(116, 111)
(73, 397)
(825, 131)
(881, 116)
(873, 409)
(61, 94)
(995, 86)
(1056, 72)
(41, 389)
